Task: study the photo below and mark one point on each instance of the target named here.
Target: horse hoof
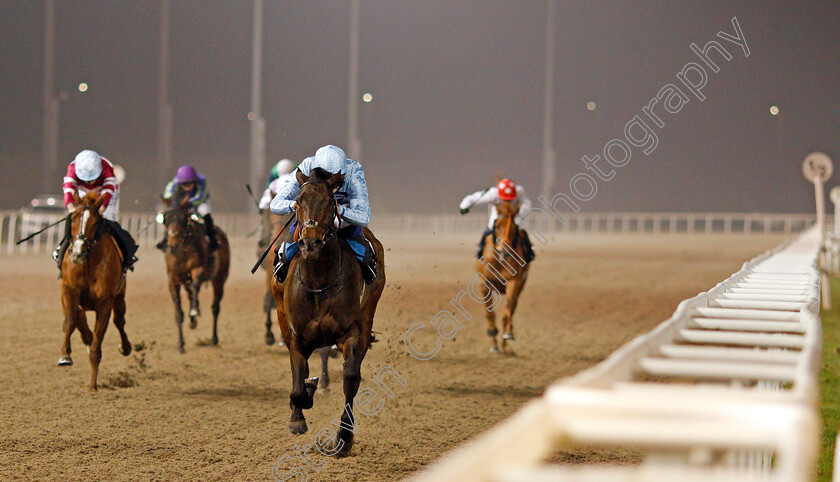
(214, 341)
(65, 361)
(494, 351)
(298, 427)
(193, 322)
(269, 339)
(345, 445)
(181, 349)
(508, 335)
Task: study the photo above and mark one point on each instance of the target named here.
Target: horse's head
(83, 224)
(505, 228)
(317, 210)
(180, 223)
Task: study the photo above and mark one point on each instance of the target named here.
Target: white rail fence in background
(724, 390)
(15, 225)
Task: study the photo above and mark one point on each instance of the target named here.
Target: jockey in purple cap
(188, 182)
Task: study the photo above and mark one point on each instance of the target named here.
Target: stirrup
(55, 254)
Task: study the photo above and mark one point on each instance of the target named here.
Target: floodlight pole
(548, 159)
(50, 129)
(257, 164)
(354, 144)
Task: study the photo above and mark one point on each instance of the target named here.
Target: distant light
(774, 110)
(83, 87)
(51, 201)
(590, 105)
(252, 116)
(367, 97)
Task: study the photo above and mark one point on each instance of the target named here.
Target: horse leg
(82, 326)
(175, 291)
(119, 322)
(218, 293)
(268, 305)
(103, 315)
(70, 306)
(301, 396)
(325, 374)
(192, 291)
(354, 352)
(490, 314)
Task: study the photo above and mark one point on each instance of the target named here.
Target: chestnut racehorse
(319, 304)
(189, 263)
(92, 280)
(504, 267)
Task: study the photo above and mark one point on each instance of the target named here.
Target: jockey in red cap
(505, 190)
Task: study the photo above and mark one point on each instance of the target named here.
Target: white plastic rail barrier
(15, 225)
(724, 390)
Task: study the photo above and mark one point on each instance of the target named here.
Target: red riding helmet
(507, 190)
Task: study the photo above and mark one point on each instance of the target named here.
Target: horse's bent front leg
(175, 291)
(103, 315)
(301, 396)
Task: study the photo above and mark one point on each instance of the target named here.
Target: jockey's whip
(259, 261)
(65, 218)
(253, 198)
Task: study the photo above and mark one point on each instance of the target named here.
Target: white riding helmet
(330, 158)
(88, 165)
(285, 166)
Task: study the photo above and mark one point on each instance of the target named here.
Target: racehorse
(319, 304)
(189, 263)
(92, 279)
(272, 224)
(503, 266)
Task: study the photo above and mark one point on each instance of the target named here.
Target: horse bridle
(331, 231)
(88, 244)
(188, 215)
(508, 227)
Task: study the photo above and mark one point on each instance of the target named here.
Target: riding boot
(363, 249)
(527, 248)
(483, 242)
(61, 249)
(161, 245)
(210, 230)
(126, 243)
(282, 255)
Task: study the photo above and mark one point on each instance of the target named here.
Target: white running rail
(724, 390)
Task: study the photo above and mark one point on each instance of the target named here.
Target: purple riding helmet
(186, 174)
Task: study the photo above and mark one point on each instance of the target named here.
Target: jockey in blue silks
(353, 208)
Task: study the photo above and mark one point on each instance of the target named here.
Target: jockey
(87, 172)
(276, 179)
(505, 190)
(193, 185)
(353, 208)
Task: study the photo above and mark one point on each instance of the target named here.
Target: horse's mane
(319, 174)
(90, 197)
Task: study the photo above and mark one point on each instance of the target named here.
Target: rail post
(817, 168)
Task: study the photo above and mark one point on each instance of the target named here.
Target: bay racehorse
(190, 263)
(92, 279)
(272, 224)
(322, 303)
(503, 266)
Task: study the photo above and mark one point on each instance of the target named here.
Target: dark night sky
(458, 94)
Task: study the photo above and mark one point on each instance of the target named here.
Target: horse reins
(328, 234)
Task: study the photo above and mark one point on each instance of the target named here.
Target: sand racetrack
(221, 413)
